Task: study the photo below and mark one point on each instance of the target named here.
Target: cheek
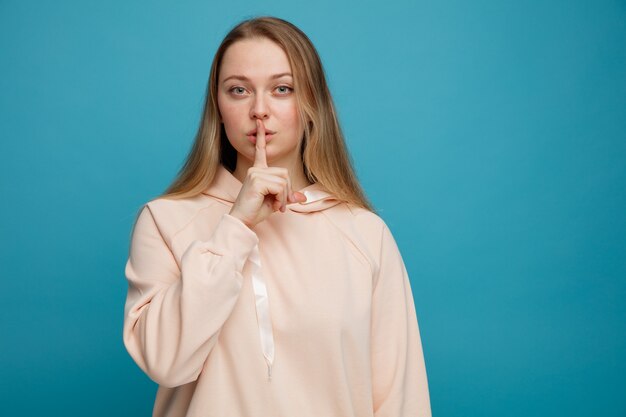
(230, 112)
(289, 114)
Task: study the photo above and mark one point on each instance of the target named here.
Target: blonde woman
(261, 283)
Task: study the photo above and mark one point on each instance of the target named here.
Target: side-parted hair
(324, 153)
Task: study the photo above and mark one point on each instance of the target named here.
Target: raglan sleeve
(172, 314)
(400, 386)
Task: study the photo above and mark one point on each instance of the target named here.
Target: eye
(238, 91)
(284, 89)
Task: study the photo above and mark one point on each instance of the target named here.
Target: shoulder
(365, 229)
(365, 226)
(359, 219)
(172, 215)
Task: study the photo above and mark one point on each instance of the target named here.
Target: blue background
(491, 136)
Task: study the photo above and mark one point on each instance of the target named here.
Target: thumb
(300, 198)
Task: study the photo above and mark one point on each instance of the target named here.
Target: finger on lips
(260, 157)
(260, 160)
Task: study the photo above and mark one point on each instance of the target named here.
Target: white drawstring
(260, 294)
(262, 310)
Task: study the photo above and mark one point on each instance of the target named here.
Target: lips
(253, 132)
(269, 134)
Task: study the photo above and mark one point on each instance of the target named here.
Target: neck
(295, 168)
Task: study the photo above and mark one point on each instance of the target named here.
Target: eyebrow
(241, 77)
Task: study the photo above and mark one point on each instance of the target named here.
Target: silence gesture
(265, 189)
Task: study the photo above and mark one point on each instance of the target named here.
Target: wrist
(242, 219)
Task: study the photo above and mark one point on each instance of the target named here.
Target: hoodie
(308, 313)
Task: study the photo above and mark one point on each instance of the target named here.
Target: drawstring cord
(262, 310)
(260, 294)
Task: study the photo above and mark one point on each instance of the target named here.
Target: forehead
(255, 58)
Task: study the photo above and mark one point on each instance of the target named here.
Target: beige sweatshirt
(310, 313)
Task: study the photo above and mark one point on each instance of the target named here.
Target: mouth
(253, 132)
(269, 134)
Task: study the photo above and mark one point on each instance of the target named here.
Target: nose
(259, 108)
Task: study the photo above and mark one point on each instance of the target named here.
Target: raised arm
(173, 315)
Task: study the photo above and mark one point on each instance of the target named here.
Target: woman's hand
(265, 189)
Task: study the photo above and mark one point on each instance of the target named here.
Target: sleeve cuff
(232, 237)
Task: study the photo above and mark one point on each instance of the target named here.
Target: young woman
(262, 283)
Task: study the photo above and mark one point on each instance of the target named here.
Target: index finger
(260, 158)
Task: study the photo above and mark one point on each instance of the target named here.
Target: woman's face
(255, 82)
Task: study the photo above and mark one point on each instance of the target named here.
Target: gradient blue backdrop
(491, 136)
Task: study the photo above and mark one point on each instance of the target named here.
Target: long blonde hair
(324, 153)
